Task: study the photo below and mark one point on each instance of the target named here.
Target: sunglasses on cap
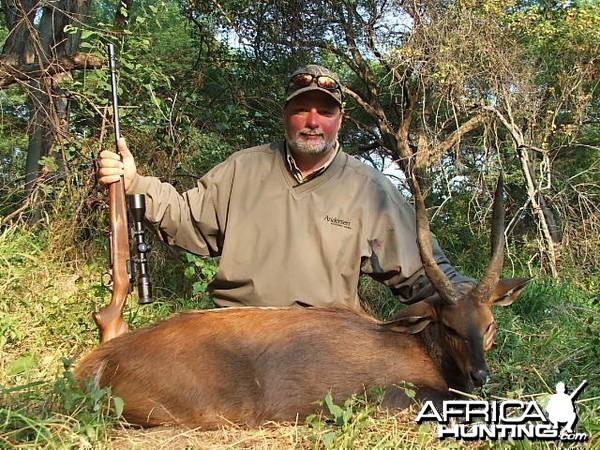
(302, 80)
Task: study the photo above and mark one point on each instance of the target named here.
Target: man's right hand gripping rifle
(124, 270)
(110, 166)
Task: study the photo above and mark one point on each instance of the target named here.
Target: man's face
(312, 122)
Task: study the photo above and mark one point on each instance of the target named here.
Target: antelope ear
(412, 319)
(508, 290)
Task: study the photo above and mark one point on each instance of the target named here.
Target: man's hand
(110, 167)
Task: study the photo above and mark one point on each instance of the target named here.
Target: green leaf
(70, 29)
(328, 439)
(347, 414)
(119, 405)
(23, 364)
(198, 286)
(189, 272)
(86, 34)
(333, 408)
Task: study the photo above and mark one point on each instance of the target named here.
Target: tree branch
(11, 74)
(457, 134)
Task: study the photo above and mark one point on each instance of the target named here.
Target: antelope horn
(485, 288)
(438, 279)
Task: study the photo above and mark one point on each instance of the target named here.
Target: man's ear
(412, 319)
(508, 291)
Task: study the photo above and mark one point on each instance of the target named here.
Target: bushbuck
(251, 365)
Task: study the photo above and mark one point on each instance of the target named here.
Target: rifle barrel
(577, 390)
(113, 86)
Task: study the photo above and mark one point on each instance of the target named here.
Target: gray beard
(310, 148)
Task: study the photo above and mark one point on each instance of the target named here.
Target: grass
(47, 295)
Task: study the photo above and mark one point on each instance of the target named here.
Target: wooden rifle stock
(110, 319)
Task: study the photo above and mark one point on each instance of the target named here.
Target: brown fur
(251, 365)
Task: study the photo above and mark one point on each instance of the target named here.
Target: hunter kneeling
(252, 365)
(299, 221)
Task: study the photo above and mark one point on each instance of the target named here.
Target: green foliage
(359, 423)
(69, 417)
(46, 323)
(349, 421)
(568, 29)
(9, 331)
(13, 149)
(189, 98)
(548, 335)
(201, 271)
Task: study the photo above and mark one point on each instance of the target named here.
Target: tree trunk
(36, 50)
(48, 128)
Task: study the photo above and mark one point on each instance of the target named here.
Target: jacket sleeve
(394, 257)
(192, 220)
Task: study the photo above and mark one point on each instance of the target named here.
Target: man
(295, 220)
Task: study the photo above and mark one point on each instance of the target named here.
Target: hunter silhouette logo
(472, 420)
(561, 407)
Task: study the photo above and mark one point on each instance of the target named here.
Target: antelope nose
(480, 377)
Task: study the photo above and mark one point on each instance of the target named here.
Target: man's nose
(312, 119)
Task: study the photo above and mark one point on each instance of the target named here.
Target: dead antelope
(252, 365)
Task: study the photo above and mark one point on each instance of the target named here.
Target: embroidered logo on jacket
(338, 222)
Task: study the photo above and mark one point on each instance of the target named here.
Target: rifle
(123, 269)
(577, 390)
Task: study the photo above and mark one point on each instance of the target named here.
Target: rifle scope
(137, 208)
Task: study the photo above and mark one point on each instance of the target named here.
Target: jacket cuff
(141, 185)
